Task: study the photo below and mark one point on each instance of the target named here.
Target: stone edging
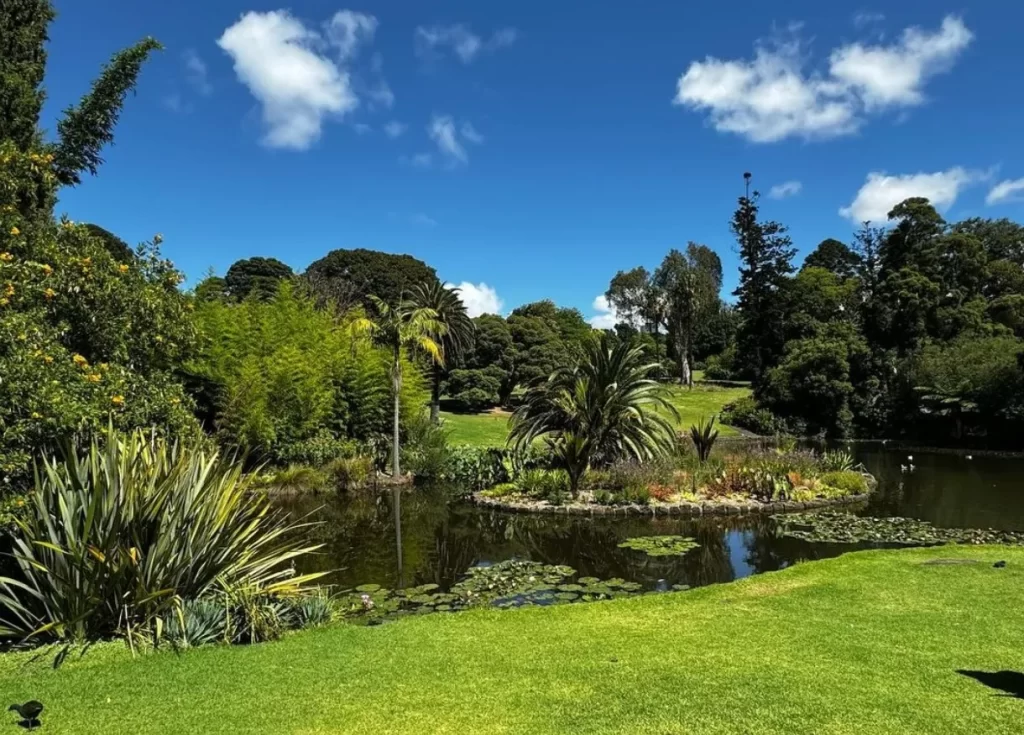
(683, 510)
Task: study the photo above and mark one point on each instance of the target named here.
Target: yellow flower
(93, 377)
(9, 289)
(6, 257)
(47, 269)
(123, 267)
(4, 301)
(15, 231)
(36, 415)
(80, 361)
(103, 366)
(22, 336)
(49, 293)
(47, 359)
(117, 400)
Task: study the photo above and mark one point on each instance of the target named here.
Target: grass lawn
(865, 643)
(490, 429)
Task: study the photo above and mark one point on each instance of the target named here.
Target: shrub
(425, 453)
(848, 482)
(349, 472)
(550, 485)
(476, 468)
(296, 479)
(636, 495)
(310, 611)
(145, 526)
(836, 461)
(661, 493)
(200, 622)
(721, 367)
(317, 450)
(704, 434)
(746, 414)
(503, 490)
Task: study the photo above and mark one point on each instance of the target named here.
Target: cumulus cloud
(606, 317)
(196, 72)
(289, 69)
(785, 189)
(1006, 191)
(479, 298)
(432, 41)
(881, 192)
(772, 97)
(394, 129)
(450, 138)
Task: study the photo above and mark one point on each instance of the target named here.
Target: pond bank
(815, 648)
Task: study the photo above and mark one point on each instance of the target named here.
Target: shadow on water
(420, 536)
(1009, 682)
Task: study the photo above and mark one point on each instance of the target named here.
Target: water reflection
(413, 537)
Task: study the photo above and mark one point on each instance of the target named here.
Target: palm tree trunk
(395, 449)
(435, 397)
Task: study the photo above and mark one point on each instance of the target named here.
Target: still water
(438, 540)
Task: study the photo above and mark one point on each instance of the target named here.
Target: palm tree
(602, 410)
(400, 328)
(446, 303)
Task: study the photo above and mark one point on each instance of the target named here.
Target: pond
(438, 540)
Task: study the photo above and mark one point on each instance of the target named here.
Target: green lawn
(490, 429)
(866, 643)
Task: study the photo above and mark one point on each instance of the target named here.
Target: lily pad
(660, 545)
(846, 528)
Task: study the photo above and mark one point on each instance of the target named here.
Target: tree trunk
(435, 397)
(685, 374)
(395, 449)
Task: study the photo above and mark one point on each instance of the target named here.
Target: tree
(630, 294)
(766, 255)
(86, 340)
(835, 257)
(401, 328)
(350, 277)
(256, 276)
(687, 289)
(446, 304)
(119, 250)
(601, 410)
(867, 245)
(485, 367)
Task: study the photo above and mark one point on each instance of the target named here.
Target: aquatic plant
(846, 528)
(660, 545)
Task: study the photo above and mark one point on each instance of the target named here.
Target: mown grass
(865, 643)
(703, 401)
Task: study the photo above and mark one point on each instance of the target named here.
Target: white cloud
(479, 298)
(463, 42)
(423, 220)
(348, 30)
(785, 189)
(470, 133)
(382, 95)
(196, 72)
(772, 97)
(881, 192)
(450, 138)
(606, 317)
(865, 18)
(394, 129)
(1006, 191)
(285, 66)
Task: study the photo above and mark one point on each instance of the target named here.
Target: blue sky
(538, 147)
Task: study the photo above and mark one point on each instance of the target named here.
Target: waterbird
(999, 564)
(29, 712)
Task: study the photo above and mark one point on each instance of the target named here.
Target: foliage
(292, 383)
(660, 545)
(403, 330)
(455, 337)
(601, 410)
(540, 484)
(704, 434)
(836, 460)
(476, 390)
(845, 528)
(350, 277)
(476, 468)
(425, 453)
(257, 277)
(296, 478)
(747, 414)
(835, 257)
(766, 254)
(145, 525)
(349, 472)
(846, 481)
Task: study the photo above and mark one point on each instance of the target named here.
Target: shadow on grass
(1010, 682)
